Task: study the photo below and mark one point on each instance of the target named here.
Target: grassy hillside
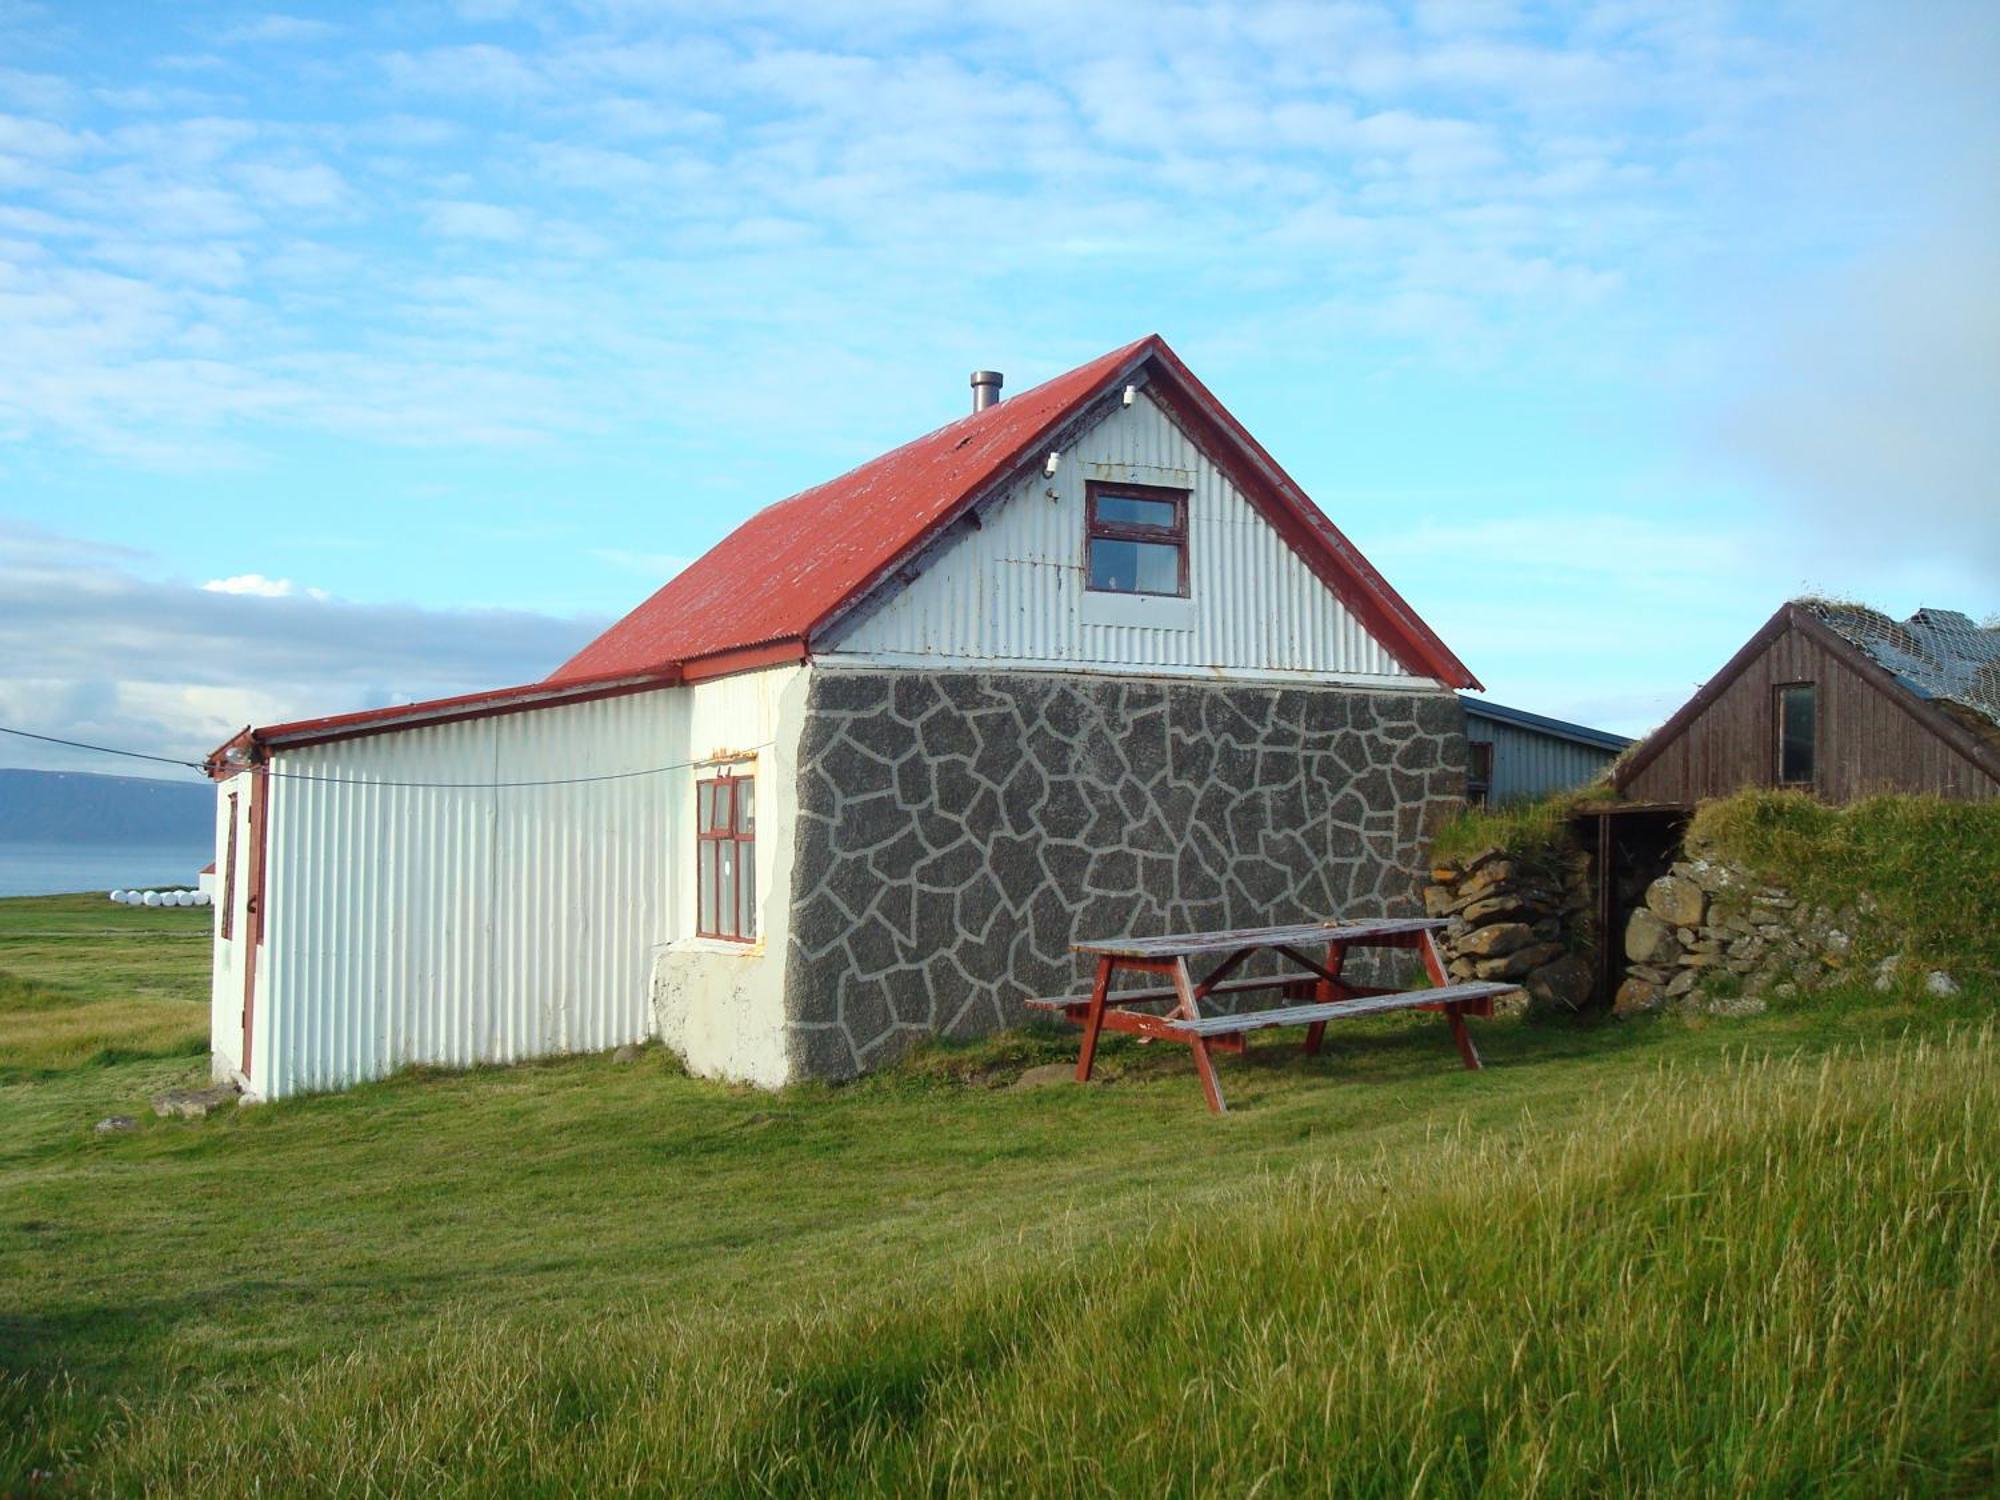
(1756, 1256)
(1930, 869)
(86, 982)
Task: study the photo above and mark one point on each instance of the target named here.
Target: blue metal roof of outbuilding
(1559, 728)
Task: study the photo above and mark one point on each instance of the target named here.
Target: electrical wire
(474, 786)
(49, 739)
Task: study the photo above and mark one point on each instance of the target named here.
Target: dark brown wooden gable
(1874, 736)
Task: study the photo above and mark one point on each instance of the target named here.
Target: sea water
(38, 869)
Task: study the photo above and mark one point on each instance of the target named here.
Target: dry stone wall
(1707, 919)
(958, 830)
(1519, 917)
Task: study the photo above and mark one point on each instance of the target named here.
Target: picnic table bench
(1314, 990)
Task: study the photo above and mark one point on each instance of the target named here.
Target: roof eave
(496, 702)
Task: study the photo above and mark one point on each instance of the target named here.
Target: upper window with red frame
(1137, 540)
(726, 858)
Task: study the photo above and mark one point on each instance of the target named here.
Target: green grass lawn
(1747, 1256)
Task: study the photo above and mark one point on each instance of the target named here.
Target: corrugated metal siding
(1013, 590)
(1867, 743)
(1527, 765)
(467, 925)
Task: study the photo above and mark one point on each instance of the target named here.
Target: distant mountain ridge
(82, 808)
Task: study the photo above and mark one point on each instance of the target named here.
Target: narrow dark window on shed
(1479, 773)
(229, 875)
(1798, 726)
(726, 858)
(1137, 542)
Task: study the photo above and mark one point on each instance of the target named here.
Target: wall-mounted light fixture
(1049, 468)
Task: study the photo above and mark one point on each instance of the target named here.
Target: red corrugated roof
(784, 574)
(783, 571)
(764, 591)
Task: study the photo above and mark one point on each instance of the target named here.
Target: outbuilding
(1838, 700)
(1085, 661)
(1517, 756)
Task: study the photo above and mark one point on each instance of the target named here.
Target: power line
(49, 739)
(473, 786)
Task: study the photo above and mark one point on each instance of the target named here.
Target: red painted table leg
(1336, 958)
(1093, 1021)
(1211, 1089)
(1468, 1054)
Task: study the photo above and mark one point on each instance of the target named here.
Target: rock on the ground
(627, 1053)
(1636, 997)
(1742, 1005)
(193, 1104)
(115, 1124)
(1682, 983)
(1940, 985)
(1563, 984)
(1886, 972)
(1676, 901)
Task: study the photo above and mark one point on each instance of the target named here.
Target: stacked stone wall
(1520, 917)
(957, 831)
(1708, 919)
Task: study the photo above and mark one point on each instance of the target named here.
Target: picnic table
(1313, 990)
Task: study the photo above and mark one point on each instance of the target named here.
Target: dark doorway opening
(1631, 846)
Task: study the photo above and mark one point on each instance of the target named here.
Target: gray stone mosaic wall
(958, 830)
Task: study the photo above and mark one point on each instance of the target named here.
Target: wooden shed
(1838, 700)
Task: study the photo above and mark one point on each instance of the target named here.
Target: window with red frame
(229, 877)
(726, 858)
(1136, 541)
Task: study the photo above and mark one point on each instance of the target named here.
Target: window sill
(1146, 611)
(718, 947)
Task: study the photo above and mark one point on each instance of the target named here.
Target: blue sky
(356, 353)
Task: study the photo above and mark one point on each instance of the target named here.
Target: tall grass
(1773, 1277)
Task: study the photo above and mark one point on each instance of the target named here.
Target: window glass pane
(723, 792)
(1795, 733)
(1129, 510)
(725, 887)
(705, 881)
(746, 891)
(1135, 567)
(746, 807)
(704, 804)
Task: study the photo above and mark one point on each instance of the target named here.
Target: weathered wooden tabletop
(1189, 944)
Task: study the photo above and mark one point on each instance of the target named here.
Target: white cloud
(93, 648)
(306, 185)
(475, 221)
(261, 587)
(276, 29)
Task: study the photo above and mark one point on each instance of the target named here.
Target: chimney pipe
(985, 388)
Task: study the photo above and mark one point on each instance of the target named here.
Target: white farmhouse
(1086, 661)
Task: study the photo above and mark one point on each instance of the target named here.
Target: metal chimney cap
(985, 388)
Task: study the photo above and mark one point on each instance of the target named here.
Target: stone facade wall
(1517, 916)
(958, 830)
